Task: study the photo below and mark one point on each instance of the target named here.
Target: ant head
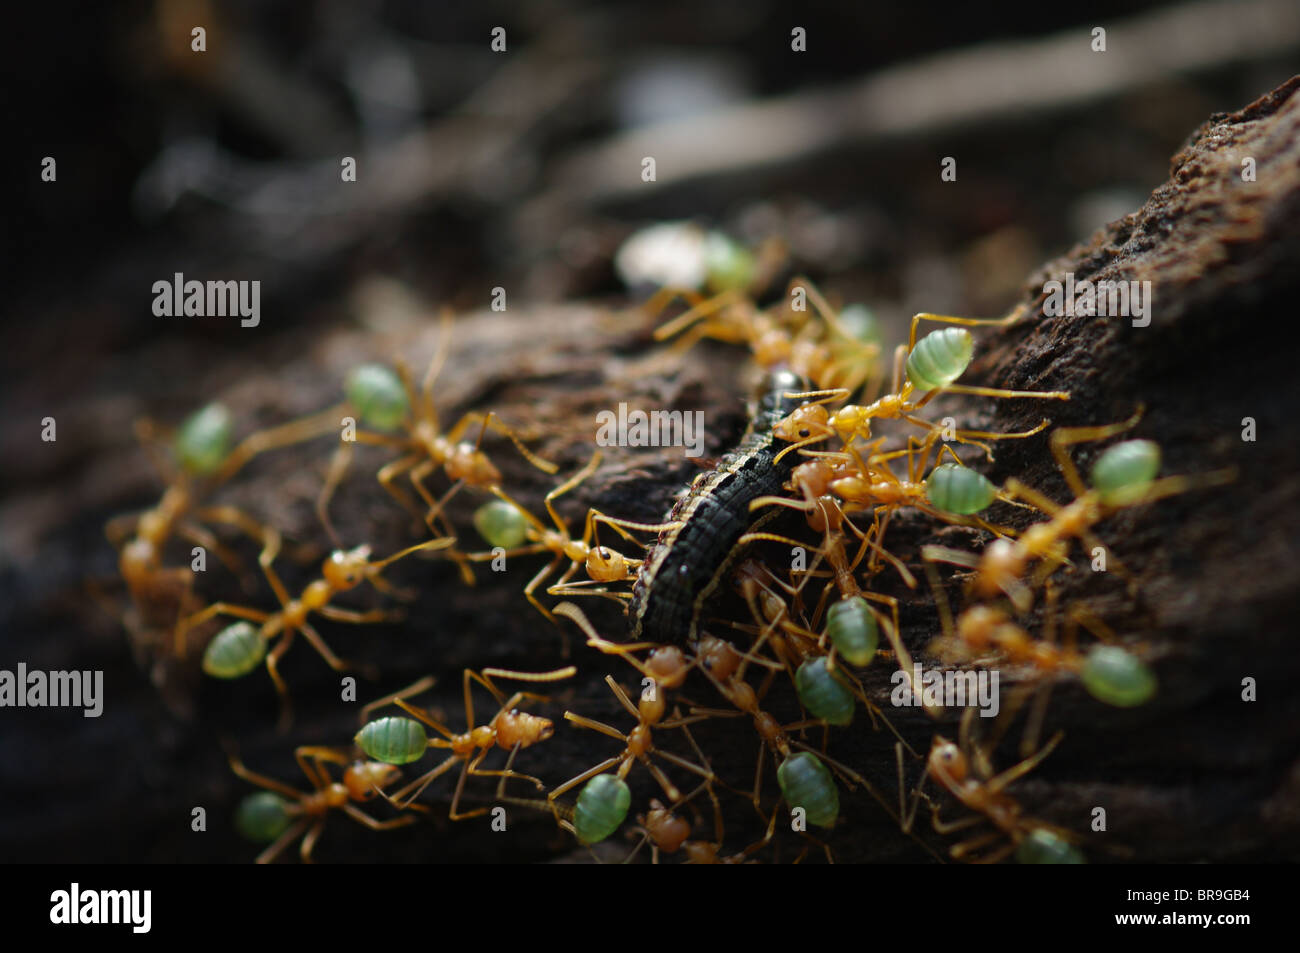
(999, 562)
(807, 421)
(946, 762)
(771, 346)
(718, 657)
(976, 625)
(667, 665)
(365, 779)
(826, 516)
(139, 556)
(606, 565)
(543, 727)
(810, 358)
(473, 466)
(813, 477)
(346, 569)
(152, 525)
(749, 575)
(668, 830)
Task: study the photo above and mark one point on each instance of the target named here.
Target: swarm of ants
(840, 443)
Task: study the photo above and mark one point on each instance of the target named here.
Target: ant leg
(701, 307)
(964, 849)
(1011, 318)
(262, 781)
(552, 676)
(283, 841)
(1024, 767)
(572, 612)
(1018, 490)
(566, 486)
(270, 549)
(216, 609)
(532, 587)
(1080, 615)
(454, 814)
(389, 472)
(586, 587)
(340, 460)
(1064, 437)
(491, 420)
(586, 775)
(400, 799)
(295, 431)
(1001, 392)
(621, 526)
(309, 842)
(361, 817)
(434, 510)
(600, 726)
(1112, 561)
(472, 768)
(273, 669)
(233, 516)
(951, 827)
(906, 815)
(443, 542)
(313, 637)
(419, 713)
(335, 614)
(416, 688)
(318, 756)
(436, 363)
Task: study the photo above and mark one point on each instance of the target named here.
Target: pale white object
(668, 255)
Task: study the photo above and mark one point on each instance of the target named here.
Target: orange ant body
(665, 669)
(730, 317)
(424, 447)
(1122, 478)
(236, 651)
(270, 817)
(603, 565)
(931, 368)
(399, 741)
(205, 464)
(951, 768)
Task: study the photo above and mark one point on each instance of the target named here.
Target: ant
(1123, 476)
(281, 814)
(397, 740)
(1111, 674)
(851, 622)
(238, 649)
(667, 831)
(390, 404)
(204, 460)
(931, 367)
(649, 714)
(516, 532)
(951, 767)
(842, 357)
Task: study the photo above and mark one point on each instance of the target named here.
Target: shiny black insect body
(690, 559)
